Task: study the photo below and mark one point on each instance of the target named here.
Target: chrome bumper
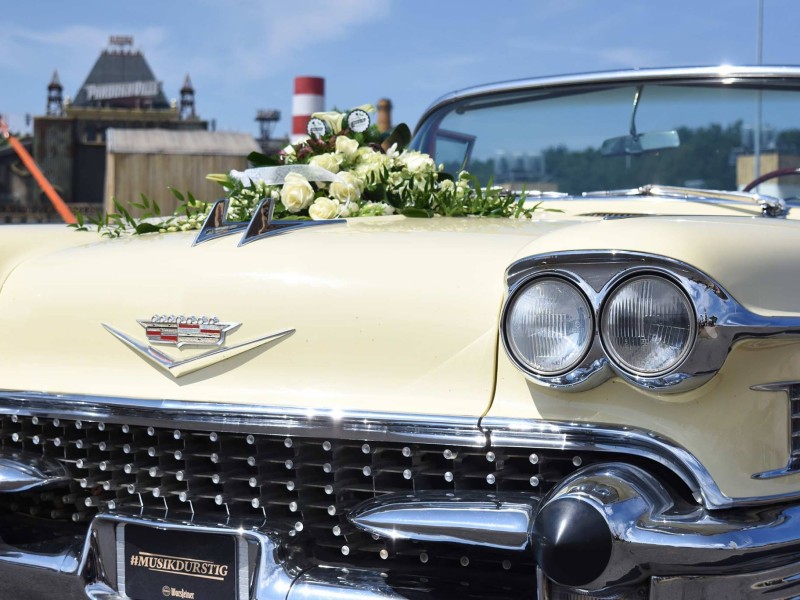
(608, 529)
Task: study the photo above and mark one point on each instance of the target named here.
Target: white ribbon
(277, 175)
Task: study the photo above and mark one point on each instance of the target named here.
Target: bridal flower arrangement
(370, 174)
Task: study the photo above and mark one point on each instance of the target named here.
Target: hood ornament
(192, 332)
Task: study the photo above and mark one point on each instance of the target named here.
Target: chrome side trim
(473, 519)
(720, 320)
(178, 368)
(21, 471)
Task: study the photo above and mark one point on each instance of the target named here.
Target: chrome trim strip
(699, 74)
(475, 519)
(120, 530)
(250, 418)
(770, 205)
(721, 320)
(22, 471)
(178, 368)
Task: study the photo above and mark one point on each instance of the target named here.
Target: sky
(243, 55)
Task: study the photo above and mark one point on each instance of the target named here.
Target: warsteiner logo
(177, 565)
(171, 592)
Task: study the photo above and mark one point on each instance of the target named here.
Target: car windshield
(615, 136)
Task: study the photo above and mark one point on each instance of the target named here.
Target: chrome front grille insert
(309, 480)
(303, 486)
(792, 389)
(630, 444)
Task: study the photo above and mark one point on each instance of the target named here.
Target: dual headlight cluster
(645, 324)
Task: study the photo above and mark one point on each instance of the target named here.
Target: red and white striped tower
(309, 97)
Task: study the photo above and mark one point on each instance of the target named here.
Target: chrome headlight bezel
(717, 317)
(605, 335)
(517, 354)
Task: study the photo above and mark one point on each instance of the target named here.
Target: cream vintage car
(599, 402)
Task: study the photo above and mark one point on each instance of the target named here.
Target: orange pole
(30, 164)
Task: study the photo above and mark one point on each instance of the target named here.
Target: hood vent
(260, 226)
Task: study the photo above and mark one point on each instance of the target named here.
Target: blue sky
(243, 55)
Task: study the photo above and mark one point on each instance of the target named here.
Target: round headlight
(648, 325)
(549, 326)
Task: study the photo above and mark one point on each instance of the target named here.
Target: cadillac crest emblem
(197, 332)
(186, 331)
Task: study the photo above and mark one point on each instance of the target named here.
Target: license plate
(177, 564)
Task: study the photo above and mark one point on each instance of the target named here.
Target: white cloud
(268, 35)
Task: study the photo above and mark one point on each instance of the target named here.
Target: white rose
(448, 186)
(347, 188)
(297, 193)
(391, 152)
(346, 146)
(329, 162)
(373, 166)
(416, 162)
(396, 179)
(323, 208)
(373, 159)
(349, 209)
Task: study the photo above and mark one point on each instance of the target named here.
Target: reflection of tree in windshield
(706, 158)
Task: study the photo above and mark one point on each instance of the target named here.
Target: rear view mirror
(649, 141)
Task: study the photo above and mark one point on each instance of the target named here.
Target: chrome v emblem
(178, 368)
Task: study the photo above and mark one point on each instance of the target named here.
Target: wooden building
(149, 161)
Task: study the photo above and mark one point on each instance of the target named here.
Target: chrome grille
(118, 464)
(302, 485)
(792, 390)
(794, 452)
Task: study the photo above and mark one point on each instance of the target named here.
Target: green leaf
(146, 228)
(177, 194)
(257, 159)
(125, 214)
(220, 178)
(417, 213)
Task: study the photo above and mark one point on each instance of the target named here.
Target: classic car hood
(388, 314)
